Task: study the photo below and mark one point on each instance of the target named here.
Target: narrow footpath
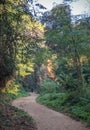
(45, 118)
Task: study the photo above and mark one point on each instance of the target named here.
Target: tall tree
(12, 23)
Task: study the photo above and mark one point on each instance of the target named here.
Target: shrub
(15, 90)
(82, 112)
(54, 100)
(48, 86)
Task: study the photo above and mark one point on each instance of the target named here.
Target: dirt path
(46, 118)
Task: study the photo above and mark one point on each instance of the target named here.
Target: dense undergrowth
(12, 118)
(64, 101)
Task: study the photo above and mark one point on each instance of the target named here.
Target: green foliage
(18, 37)
(61, 102)
(12, 92)
(82, 109)
(48, 86)
(68, 41)
(87, 93)
(15, 90)
(68, 82)
(54, 100)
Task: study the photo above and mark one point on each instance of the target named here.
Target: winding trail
(46, 119)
